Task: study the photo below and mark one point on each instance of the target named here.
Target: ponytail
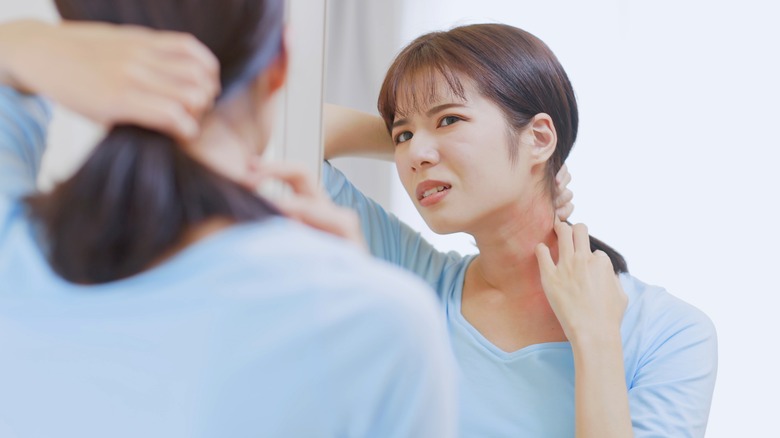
(619, 264)
(130, 203)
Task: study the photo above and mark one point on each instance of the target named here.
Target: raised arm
(112, 74)
(350, 132)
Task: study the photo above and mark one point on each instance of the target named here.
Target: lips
(430, 192)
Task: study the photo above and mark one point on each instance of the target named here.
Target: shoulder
(657, 322)
(11, 212)
(16, 105)
(652, 302)
(327, 270)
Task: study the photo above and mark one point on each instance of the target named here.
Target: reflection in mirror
(482, 119)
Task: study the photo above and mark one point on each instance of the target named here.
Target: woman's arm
(589, 302)
(350, 132)
(110, 74)
(113, 74)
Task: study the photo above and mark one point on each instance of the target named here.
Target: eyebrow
(429, 113)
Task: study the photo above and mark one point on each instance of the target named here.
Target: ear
(277, 71)
(543, 138)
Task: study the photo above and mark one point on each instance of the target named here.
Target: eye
(402, 137)
(449, 120)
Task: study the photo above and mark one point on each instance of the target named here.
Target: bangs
(417, 80)
(419, 90)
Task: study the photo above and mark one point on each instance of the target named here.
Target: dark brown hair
(510, 67)
(138, 192)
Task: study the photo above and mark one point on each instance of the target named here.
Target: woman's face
(453, 161)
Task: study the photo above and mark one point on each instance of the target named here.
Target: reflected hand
(582, 288)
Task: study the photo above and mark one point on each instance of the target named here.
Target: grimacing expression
(452, 158)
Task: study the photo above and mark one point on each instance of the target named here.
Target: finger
(327, 218)
(291, 206)
(254, 177)
(158, 114)
(184, 44)
(293, 175)
(565, 212)
(194, 95)
(563, 198)
(563, 177)
(581, 238)
(603, 260)
(185, 68)
(543, 257)
(565, 243)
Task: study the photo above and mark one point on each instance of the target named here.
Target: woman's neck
(507, 259)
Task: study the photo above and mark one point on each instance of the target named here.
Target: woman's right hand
(113, 74)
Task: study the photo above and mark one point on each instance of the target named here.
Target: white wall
(676, 160)
(363, 36)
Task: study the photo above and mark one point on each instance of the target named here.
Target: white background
(676, 160)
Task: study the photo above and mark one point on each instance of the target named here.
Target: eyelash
(439, 125)
(457, 119)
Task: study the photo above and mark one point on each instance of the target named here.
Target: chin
(442, 226)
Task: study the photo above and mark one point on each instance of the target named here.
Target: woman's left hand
(308, 203)
(582, 287)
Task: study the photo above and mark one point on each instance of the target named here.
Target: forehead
(426, 88)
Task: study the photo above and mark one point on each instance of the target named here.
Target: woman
(153, 293)
(480, 119)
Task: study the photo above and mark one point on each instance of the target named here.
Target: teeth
(429, 192)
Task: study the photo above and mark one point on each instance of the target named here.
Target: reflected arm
(354, 133)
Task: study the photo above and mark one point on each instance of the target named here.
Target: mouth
(430, 192)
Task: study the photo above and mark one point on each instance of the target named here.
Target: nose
(423, 152)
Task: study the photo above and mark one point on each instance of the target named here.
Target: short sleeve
(671, 391)
(387, 236)
(23, 121)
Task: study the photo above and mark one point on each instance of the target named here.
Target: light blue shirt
(266, 329)
(669, 347)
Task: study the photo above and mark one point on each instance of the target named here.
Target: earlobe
(274, 76)
(277, 73)
(544, 138)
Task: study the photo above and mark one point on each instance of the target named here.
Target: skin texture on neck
(506, 260)
(503, 297)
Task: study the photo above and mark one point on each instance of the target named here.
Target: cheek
(405, 176)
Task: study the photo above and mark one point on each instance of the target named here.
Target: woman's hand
(563, 205)
(113, 74)
(582, 288)
(308, 203)
(589, 302)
